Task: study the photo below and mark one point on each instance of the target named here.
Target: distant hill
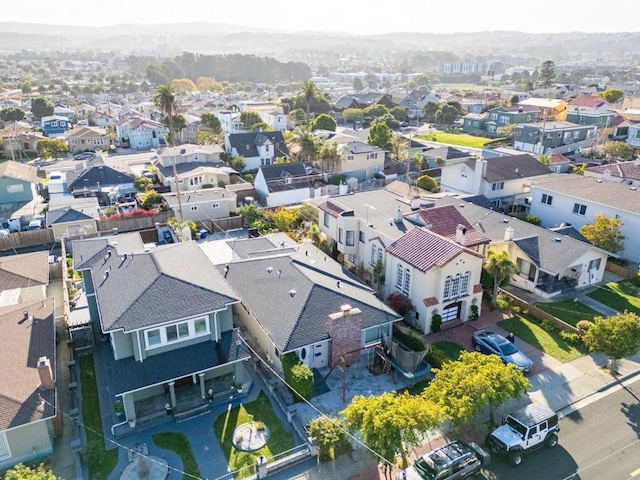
(219, 38)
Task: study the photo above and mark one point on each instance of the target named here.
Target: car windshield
(508, 348)
(517, 426)
(425, 470)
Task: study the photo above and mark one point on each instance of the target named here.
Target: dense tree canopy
(12, 114)
(605, 233)
(380, 135)
(52, 147)
(617, 337)
(324, 121)
(41, 107)
(611, 95)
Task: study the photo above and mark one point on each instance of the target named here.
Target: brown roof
(585, 100)
(629, 170)
(423, 249)
(444, 221)
(477, 288)
(430, 302)
(86, 132)
(19, 171)
(556, 158)
(331, 208)
(23, 340)
(24, 270)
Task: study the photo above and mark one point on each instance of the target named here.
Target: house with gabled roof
(283, 184)
(29, 409)
(82, 139)
(257, 148)
(68, 221)
(18, 182)
(97, 174)
(24, 277)
(590, 110)
(140, 133)
(167, 313)
(195, 166)
(548, 261)
(627, 173)
(307, 303)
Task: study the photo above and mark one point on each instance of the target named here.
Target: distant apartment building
(465, 68)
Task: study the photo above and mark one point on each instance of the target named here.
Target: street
(599, 441)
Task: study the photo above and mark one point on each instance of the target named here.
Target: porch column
(202, 392)
(172, 393)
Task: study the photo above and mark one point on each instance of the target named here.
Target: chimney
(45, 372)
(607, 174)
(508, 234)
(398, 217)
(415, 202)
(461, 232)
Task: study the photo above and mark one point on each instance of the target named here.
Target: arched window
(399, 274)
(464, 286)
(447, 288)
(407, 281)
(455, 286)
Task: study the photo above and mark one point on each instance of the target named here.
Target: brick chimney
(345, 329)
(45, 372)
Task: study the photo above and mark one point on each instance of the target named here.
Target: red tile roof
(430, 302)
(331, 208)
(585, 100)
(444, 221)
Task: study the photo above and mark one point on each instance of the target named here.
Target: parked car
(486, 341)
(454, 461)
(85, 156)
(524, 431)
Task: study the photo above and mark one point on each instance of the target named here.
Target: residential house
(101, 177)
(590, 110)
(103, 120)
(627, 173)
(475, 123)
(559, 163)
(203, 205)
(307, 303)
(167, 313)
(473, 105)
(85, 111)
(553, 137)
(30, 415)
(140, 133)
(272, 115)
(576, 200)
(19, 182)
(557, 92)
(196, 166)
(61, 110)
(500, 117)
(55, 126)
(190, 132)
(548, 261)
(502, 180)
(416, 100)
(551, 110)
(363, 100)
(230, 122)
(82, 139)
(633, 138)
(283, 184)
(359, 160)
(24, 277)
(21, 144)
(257, 148)
(69, 222)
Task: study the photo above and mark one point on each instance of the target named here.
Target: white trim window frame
(176, 332)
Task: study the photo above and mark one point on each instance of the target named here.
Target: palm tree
(500, 266)
(165, 100)
(307, 94)
(308, 144)
(329, 155)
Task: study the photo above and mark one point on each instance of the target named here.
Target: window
(153, 338)
(361, 237)
(200, 326)
(340, 235)
(464, 285)
(399, 274)
(326, 219)
(595, 263)
(5, 451)
(497, 186)
(455, 286)
(177, 332)
(158, 337)
(407, 281)
(17, 188)
(215, 205)
(373, 254)
(447, 289)
(380, 253)
(579, 208)
(193, 208)
(547, 199)
(351, 238)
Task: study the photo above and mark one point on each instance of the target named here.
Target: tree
(307, 95)
(299, 376)
(302, 136)
(328, 155)
(330, 437)
(544, 159)
(352, 114)
(400, 113)
(371, 80)
(283, 218)
(499, 266)
(324, 122)
(183, 85)
(238, 163)
(22, 472)
(251, 121)
(547, 73)
(605, 233)
(150, 199)
(41, 107)
(375, 111)
(611, 95)
(430, 109)
(165, 100)
(380, 135)
(250, 213)
(392, 423)
(514, 100)
(179, 124)
(447, 114)
(208, 83)
(142, 183)
(617, 150)
(617, 337)
(399, 146)
(12, 114)
(205, 137)
(358, 86)
(52, 147)
(466, 386)
(211, 122)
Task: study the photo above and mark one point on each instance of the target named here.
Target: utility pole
(175, 179)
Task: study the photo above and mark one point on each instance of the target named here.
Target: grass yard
(568, 311)
(178, 443)
(280, 439)
(620, 296)
(549, 342)
(456, 138)
(450, 349)
(101, 462)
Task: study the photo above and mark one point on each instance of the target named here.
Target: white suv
(523, 431)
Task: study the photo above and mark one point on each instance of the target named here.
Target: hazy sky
(363, 17)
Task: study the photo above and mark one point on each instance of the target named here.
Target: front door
(319, 355)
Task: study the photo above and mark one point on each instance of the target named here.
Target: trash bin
(203, 234)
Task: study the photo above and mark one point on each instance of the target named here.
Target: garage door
(450, 312)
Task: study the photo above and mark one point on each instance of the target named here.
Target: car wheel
(515, 458)
(551, 441)
(478, 348)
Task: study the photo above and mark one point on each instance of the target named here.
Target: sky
(355, 16)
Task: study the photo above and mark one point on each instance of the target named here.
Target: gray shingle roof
(64, 215)
(276, 176)
(550, 255)
(84, 251)
(293, 302)
(97, 172)
(128, 374)
(151, 288)
(22, 343)
(246, 143)
(513, 167)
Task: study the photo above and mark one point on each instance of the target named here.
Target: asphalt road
(598, 442)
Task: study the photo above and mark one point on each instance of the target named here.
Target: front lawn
(568, 311)
(549, 342)
(453, 137)
(177, 442)
(280, 438)
(620, 296)
(101, 462)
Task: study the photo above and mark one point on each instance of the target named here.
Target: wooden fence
(620, 270)
(29, 238)
(224, 224)
(132, 224)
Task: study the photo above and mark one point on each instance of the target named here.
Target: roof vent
(338, 284)
(345, 308)
(107, 257)
(599, 180)
(269, 269)
(632, 188)
(292, 293)
(106, 273)
(557, 239)
(505, 220)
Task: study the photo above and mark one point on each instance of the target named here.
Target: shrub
(474, 312)
(298, 375)
(436, 322)
(400, 303)
(413, 342)
(548, 325)
(330, 437)
(259, 425)
(502, 302)
(436, 358)
(584, 325)
(428, 183)
(572, 338)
